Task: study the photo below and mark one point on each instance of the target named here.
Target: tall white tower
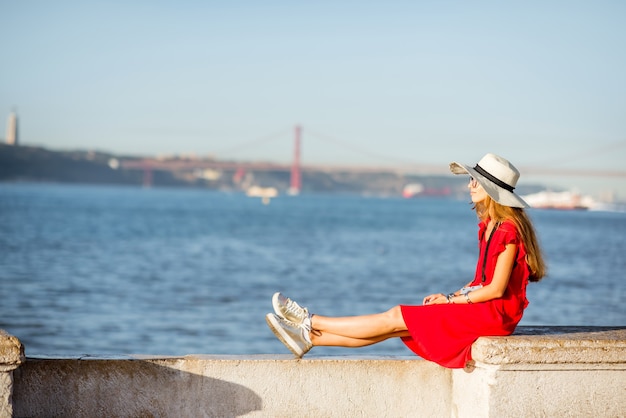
(12, 138)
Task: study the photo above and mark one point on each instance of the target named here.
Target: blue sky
(371, 83)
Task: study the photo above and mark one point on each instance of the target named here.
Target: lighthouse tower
(12, 138)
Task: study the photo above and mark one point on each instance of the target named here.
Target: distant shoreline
(36, 164)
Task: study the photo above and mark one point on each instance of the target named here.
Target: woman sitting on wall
(444, 327)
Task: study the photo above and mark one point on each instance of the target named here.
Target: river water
(121, 270)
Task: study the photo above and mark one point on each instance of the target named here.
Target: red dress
(445, 333)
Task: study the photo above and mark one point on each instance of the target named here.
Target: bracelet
(467, 298)
(449, 297)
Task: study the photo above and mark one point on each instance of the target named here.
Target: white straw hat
(497, 176)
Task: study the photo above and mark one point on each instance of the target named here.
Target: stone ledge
(542, 366)
(11, 352)
(229, 386)
(554, 345)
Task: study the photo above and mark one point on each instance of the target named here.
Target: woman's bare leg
(373, 328)
(319, 338)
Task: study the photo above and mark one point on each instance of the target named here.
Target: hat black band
(493, 179)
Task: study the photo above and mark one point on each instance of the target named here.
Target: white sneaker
(295, 337)
(291, 311)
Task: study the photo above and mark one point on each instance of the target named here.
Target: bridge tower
(296, 180)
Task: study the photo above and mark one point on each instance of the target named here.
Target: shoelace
(295, 309)
(299, 312)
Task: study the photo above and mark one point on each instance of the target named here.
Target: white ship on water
(566, 200)
(412, 190)
(265, 193)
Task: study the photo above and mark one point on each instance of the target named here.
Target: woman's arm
(501, 275)
(495, 289)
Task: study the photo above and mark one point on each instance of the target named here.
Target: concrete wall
(11, 356)
(537, 372)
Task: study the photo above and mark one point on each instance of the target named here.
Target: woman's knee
(396, 319)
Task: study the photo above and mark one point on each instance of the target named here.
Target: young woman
(444, 327)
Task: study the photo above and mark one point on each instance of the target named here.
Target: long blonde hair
(489, 208)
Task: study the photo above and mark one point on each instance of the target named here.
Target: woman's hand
(435, 299)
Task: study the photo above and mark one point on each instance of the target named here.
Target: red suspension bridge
(148, 165)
